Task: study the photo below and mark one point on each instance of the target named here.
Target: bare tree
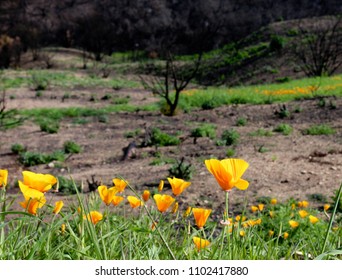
(319, 50)
(175, 78)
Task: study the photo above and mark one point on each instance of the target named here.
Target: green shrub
(67, 186)
(320, 129)
(283, 128)
(39, 81)
(277, 43)
(71, 147)
(182, 170)
(159, 138)
(229, 137)
(49, 126)
(261, 132)
(34, 158)
(230, 152)
(241, 121)
(205, 130)
(17, 149)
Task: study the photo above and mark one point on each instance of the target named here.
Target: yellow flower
(116, 200)
(94, 217)
(58, 206)
(242, 233)
(120, 184)
(270, 233)
(163, 201)
(228, 172)
(303, 213)
(3, 177)
(134, 202)
(238, 218)
(326, 207)
(146, 195)
(201, 215)
(273, 201)
(29, 192)
(178, 185)
(107, 194)
(37, 181)
(175, 208)
(161, 185)
(293, 223)
(200, 243)
(63, 228)
(254, 208)
(33, 204)
(313, 219)
(293, 206)
(286, 235)
(261, 207)
(187, 212)
(303, 204)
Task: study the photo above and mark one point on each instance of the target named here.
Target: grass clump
(70, 147)
(49, 126)
(229, 137)
(320, 129)
(283, 128)
(205, 130)
(18, 148)
(29, 158)
(159, 138)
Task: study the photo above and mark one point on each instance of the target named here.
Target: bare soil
(296, 166)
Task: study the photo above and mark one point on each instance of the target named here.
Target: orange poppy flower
(326, 207)
(201, 215)
(58, 206)
(120, 184)
(273, 201)
(178, 185)
(228, 172)
(163, 201)
(37, 181)
(286, 235)
(200, 243)
(117, 200)
(187, 212)
(94, 217)
(161, 185)
(175, 208)
(313, 219)
(146, 195)
(33, 204)
(3, 177)
(303, 213)
(134, 202)
(107, 194)
(293, 223)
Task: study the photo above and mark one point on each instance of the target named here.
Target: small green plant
(241, 121)
(205, 130)
(49, 126)
(132, 134)
(39, 81)
(282, 112)
(35, 158)
(262, 149)
(71, 147)
(67, 186)
(261, 132)
(320, 129)
(159, 138)
(229, 137)
(230, 152)
(182, 170)
(283, 128)
(17, 149)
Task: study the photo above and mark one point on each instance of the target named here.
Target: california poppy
(134, 202)
(3, 177)
(120, 184)
(200, 243)
(33, 204)
(37, 181)
(163, 201)
(228, 172)
(58, 206)
(201, 215)
(107, 194)
(178, 185)
(94, 217)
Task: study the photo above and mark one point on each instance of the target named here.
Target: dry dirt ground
(295, 166)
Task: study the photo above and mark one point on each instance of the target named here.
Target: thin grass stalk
(154, 223)
(332, 218)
